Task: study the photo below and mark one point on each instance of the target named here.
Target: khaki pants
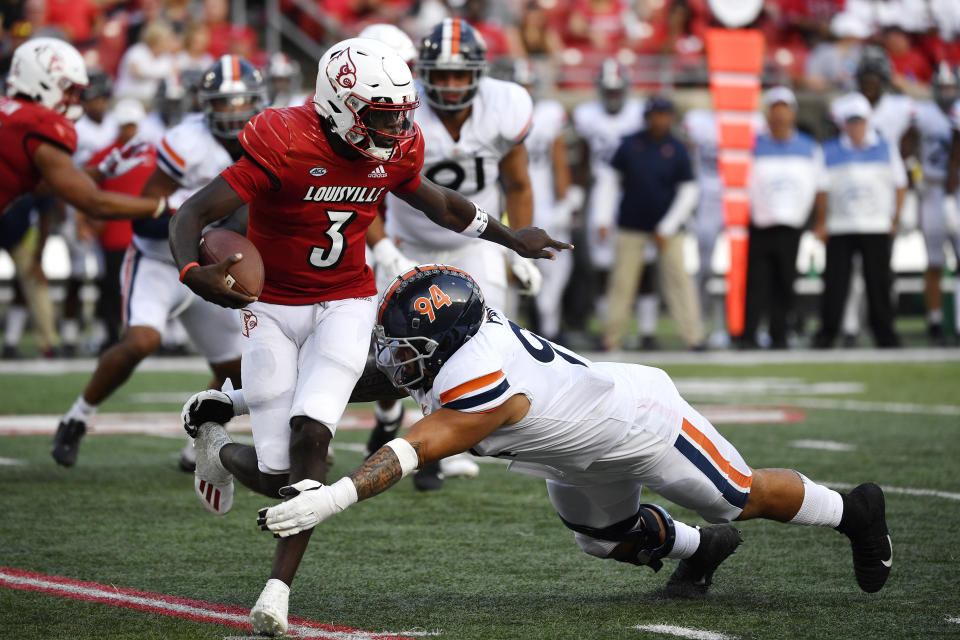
(676, 285)
(36, 291)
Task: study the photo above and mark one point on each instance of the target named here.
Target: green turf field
(488, 558)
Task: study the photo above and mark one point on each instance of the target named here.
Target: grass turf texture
(485, 558)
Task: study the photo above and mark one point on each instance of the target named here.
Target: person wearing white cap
(788, 171)
(864, 185)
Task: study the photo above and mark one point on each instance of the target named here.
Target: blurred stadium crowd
(610, 64)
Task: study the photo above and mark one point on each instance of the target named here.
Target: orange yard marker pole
(735, 62)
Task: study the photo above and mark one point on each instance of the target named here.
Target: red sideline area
(173, 606)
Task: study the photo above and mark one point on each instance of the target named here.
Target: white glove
(386, 254)
(311, 503)
(207, 406)
(527, 273)
(951, 215)
(123, 159)
(564, 209)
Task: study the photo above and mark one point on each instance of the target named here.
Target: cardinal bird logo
(249, 322)
(342, 69)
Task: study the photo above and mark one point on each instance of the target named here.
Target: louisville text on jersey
(344, 194)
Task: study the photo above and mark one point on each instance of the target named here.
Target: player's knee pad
(637, 538)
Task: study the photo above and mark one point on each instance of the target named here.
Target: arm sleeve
(683, 205)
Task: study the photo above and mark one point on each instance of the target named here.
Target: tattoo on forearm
(380, 472)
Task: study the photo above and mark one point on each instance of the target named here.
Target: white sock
(821, 507)
(935, 316)
(388, 415)
(686, 542)
(70, 331)
(274, 583)
(649, 310)
(16, 321)
(81, 410)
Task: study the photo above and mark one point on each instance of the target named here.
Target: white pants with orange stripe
(300, 361)
(697, 469)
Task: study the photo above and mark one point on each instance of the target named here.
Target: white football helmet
(366, 96)
(393, 37)
(50, 72)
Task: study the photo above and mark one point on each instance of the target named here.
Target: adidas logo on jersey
(344, 194)
(379, 172)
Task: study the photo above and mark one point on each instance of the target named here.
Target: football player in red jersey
(313, 176)
(37, 138)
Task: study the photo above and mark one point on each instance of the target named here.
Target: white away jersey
(190, 155)
(936, 133)
(892, 116)
(93, 136)
(500, 117)
(578, 409)
(603, 131)
(549, 117)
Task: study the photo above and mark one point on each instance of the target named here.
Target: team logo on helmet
(347, 73)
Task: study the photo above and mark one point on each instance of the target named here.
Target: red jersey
(117, 234)
(310, 208)
(24, 125)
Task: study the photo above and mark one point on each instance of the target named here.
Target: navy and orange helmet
(452, 45)
(424, 317)
(231, 92)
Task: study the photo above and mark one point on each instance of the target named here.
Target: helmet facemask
(228, 114)
(381, 130)
(402, 360)
(438, 95)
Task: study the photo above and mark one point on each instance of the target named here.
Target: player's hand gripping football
(310, 504)
(210, 283)
(533, 242)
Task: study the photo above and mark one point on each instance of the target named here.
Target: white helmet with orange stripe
(231, 92)
(365, 94)
(453, 45)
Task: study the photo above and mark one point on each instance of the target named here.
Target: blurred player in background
(555, 199)
(474, 128)
(190, 155)
(601, 124)
(938, 209)
(283, 82)
(307, 336)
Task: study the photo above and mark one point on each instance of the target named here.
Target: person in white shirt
(864, 185)
(146, 63)
(787, 173)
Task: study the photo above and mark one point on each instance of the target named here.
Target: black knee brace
(638, 535)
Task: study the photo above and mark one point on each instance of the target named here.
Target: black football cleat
(66, 442)
(383, 433)
(428, 478)
(694, 575)
(865, 523)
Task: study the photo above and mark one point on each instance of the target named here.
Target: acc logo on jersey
(437, 299)
(346, 75)
(316, 172)
(249, 320)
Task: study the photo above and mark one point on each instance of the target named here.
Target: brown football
(245, 276)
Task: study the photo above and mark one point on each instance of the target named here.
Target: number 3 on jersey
(328, 258)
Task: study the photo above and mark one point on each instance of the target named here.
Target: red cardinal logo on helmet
(342, 65)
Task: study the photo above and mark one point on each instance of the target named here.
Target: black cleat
(694, 575)
(66, 442)
(865, 523)
(383, 433)
(428, 478)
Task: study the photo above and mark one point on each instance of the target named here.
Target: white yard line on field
(907, 491)
(823, 445)
(684, 632)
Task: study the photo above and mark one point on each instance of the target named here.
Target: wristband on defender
(478, 225)
(187, 267)
(161, 207)
(406, 454)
